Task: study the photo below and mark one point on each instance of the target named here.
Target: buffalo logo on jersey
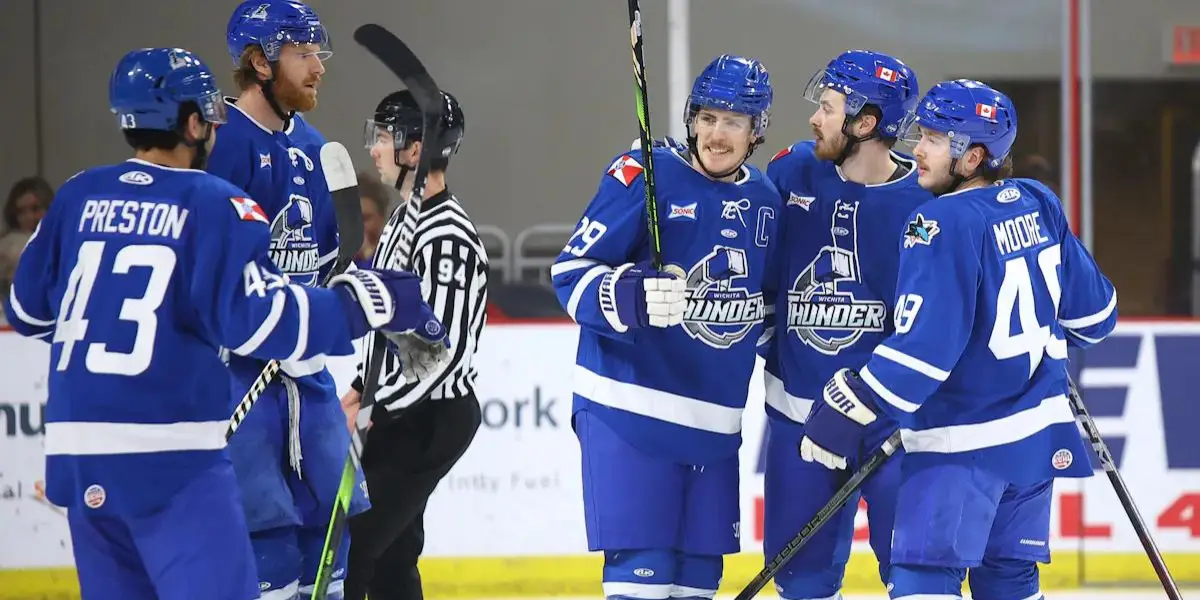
(719, 313)
(823, 310)
(920, 231)
(293, 248)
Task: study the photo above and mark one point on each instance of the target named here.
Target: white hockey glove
(420, 357)
(636, 296)
(837, 426)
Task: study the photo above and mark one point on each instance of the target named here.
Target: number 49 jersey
(992, 287)
(838, 270)
(678, 392)
(137, 275)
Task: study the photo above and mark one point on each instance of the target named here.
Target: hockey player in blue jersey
(136, 275)
(993, 286)
(290, 452)
(664, 362)
(847, 196)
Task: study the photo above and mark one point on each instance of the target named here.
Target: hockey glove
(386, 300)
(633, 296)
(421, 352)
(837, 427)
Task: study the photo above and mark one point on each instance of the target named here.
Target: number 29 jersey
(992, 288)
(678, 392)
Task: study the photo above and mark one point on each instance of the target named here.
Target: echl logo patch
(625, 170)
(920, 231)
(248, 210)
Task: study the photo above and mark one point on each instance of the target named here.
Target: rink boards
(508, 520)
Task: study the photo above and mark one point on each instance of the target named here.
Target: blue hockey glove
(633, 296)
(386, 300)
(837, 426)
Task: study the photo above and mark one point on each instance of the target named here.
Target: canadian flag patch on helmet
(987, 111)
(886, 74)
(248, 210)
(625, 170)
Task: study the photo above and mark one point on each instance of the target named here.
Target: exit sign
(1183, 45)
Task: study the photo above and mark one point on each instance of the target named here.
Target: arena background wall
(538, 75)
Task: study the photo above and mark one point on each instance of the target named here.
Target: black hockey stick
(831, 508)
(398, 58)
(343, 185)
(1114, 476)
(643, 110)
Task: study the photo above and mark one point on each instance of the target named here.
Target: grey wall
(545, 83)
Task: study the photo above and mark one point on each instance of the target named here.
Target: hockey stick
(643, 110)
(399, 59)
(343, 185)
(1114, 476)
(831, 508)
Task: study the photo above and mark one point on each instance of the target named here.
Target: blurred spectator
(375, 200)
(27, 202)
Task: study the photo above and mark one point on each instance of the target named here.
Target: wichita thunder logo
(719, 313)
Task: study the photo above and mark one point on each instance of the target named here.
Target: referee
(419, 429)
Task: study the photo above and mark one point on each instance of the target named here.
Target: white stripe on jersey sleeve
(1092, 319)
(278, 300)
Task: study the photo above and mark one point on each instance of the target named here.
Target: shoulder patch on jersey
(136, 178)
(781, 154)
(625, 169)
(920, 231)
(248, 210)
(1008, 194)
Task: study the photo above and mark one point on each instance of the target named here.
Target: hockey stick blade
(831, 508)
(347, 204)
(401, 61)
(347, 209)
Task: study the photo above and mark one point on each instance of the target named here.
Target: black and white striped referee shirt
(453, 267)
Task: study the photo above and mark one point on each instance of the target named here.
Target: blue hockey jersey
(285, 177)
(676, 393)
(992, 287)
(838, 273)
(137, 275)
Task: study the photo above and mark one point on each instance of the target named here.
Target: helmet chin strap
(404, 170)
(200, 160)
(268, 89)
(852, 140)
(956, 180)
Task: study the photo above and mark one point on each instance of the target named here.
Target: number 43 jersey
(677, 392)
(137, 275)
(992, 288)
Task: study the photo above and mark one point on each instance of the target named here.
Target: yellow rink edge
(532, 576)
